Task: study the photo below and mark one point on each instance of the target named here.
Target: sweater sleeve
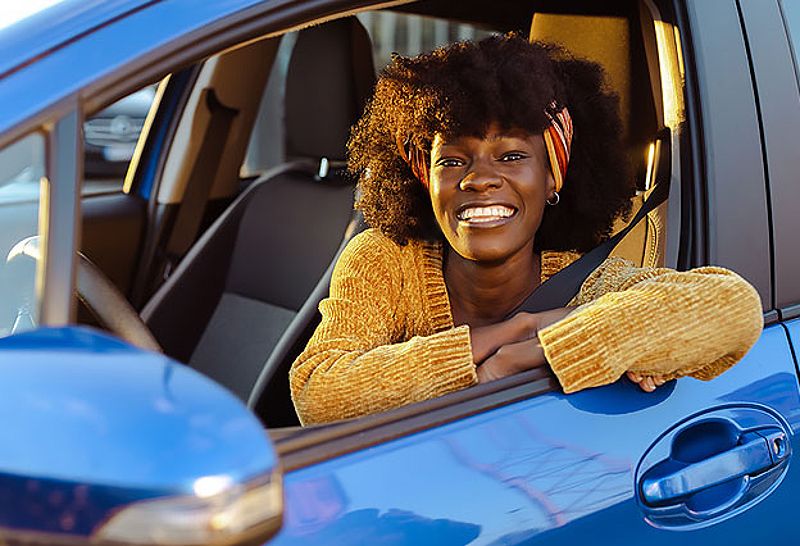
(352, 364)
(654, 321)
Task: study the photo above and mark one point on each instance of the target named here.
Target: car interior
(225, 256)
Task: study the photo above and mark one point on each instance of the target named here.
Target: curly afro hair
(460, 90)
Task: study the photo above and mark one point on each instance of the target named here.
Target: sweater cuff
(450, 356)
(577, 352)
(710, 371)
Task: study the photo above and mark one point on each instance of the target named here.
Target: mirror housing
(105, 443)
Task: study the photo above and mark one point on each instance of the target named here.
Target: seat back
(230, 300)
(615, 38)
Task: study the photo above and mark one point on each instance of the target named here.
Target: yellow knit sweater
(387, 338)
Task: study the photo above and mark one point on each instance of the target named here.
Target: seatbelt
(198, 186)
(558, 290)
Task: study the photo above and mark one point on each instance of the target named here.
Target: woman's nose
(480, 177)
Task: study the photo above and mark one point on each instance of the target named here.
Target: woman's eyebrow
(518, 135)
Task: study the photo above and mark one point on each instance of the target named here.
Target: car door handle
(756, 452)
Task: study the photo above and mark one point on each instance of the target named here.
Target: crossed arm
(656, 324)
(505, 349)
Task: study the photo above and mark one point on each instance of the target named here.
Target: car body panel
(732, 144)
(793, 327)
(55, 77)
(533, 469)
(53, 27)
(779, 104)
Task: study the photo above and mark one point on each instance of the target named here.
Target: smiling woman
(477, 193)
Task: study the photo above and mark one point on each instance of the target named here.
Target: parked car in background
(110, 136)
(205, 268)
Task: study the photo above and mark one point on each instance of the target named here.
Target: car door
(517, 462)
(773, 31)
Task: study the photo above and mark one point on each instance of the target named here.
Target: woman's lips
(485, 216)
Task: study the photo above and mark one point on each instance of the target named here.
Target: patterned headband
(557, 140)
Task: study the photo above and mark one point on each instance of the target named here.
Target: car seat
(232, 296)
(620, 38)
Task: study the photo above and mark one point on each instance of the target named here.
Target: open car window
(647, 69)
(22, 186)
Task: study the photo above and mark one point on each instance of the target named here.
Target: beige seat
(620, 42)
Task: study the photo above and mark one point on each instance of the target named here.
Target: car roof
(51, 57)
(49, 29)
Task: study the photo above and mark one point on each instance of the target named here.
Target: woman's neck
(482, 294)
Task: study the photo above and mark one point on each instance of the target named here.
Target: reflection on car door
(564, 468)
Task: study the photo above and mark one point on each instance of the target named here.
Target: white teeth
(485, 214)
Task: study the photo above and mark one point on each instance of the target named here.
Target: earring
(553, 201)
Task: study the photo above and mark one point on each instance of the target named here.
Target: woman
(462, 159)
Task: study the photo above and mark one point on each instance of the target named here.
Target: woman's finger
(635, 377)
(647, 384)
(659, 381)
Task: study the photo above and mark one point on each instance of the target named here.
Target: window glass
(110, 138)
(22, 168)
(791, 12)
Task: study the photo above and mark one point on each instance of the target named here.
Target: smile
(485, 215)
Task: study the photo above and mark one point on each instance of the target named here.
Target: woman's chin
(488, 254)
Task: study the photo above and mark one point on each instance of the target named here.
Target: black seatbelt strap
(559, 289)
(198, 186)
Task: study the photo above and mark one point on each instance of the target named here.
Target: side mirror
(105, 443)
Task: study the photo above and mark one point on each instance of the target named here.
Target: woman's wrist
(526, 325)
(548, 318)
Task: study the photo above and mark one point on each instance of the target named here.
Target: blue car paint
(51, 28)
(793, 329)
(79, 407)
(56, 76)
(532, 471)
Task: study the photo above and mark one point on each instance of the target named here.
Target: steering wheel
(99, 295)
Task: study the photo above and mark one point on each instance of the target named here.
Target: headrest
(615, 42)
(330, 76)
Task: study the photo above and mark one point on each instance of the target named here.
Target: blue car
(147, 330)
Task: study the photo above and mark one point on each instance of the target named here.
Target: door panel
(558, 468)
(112, 232)
(779, 105)
(793, 327)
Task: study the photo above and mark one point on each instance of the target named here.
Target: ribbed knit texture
(387, 338)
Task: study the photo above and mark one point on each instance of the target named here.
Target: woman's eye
(512, 156)
(449, 162)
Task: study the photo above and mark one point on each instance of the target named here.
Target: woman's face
(489, 193)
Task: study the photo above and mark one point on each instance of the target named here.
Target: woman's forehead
(493, 133)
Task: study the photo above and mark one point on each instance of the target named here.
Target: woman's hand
(647, 383)
(512, 359)
(511, 346)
